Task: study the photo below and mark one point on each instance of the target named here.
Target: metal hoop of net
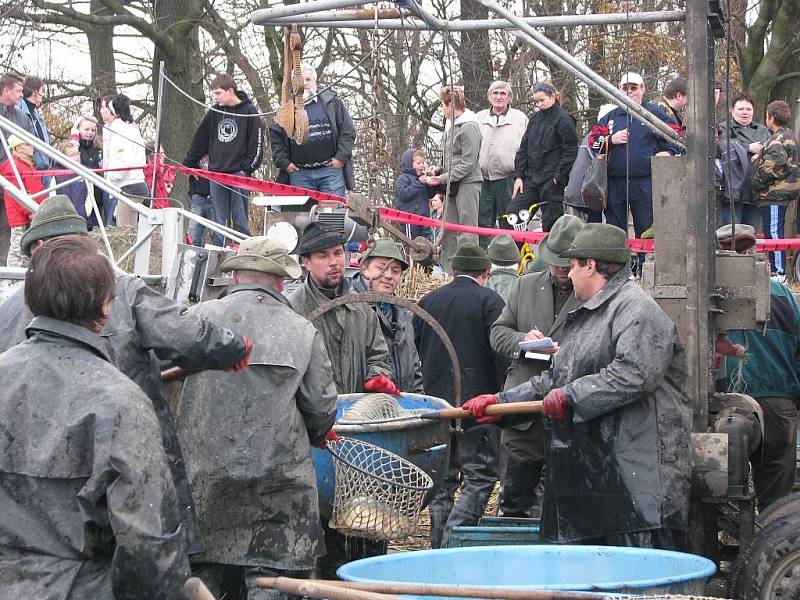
(377, 408)
(378, 493)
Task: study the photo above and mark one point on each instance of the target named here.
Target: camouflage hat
(745, 237)
(263, 255)
(385, 248)
(470, 257)
(559, 239)
(503, 251)
(600, 241)
(56, 216)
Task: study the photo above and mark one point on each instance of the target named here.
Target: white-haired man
(323, 163)
(502, 128)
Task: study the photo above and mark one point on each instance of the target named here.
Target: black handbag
(594, 189)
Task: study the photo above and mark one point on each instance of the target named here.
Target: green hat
(559, 239)
(385, 248)
(56, 216)
(470, 257)
(264, 255)
(600, 241)
(503, 251)
(537, 265)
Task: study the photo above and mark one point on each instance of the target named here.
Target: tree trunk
(179, 116)
(101, 55)
(475, 58)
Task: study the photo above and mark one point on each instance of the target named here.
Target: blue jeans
(639, 196)
(229, 205)
(328, 180)
(773, 217)
(201, 205)
(745, 213)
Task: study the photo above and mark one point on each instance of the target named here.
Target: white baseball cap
(631, 77)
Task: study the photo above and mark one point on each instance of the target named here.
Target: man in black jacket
(323, 163)
(466, 311)
(230, 134)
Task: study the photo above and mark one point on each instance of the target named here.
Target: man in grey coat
(249, 460)
(89, 508)
(142, 329)
(461, 148)
(617, 409)
(536, 306)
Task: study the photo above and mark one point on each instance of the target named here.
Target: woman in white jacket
(123, 146)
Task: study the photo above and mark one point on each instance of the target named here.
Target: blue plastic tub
(575, 568)
(424, 443)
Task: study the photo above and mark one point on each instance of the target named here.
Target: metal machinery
(704, 291)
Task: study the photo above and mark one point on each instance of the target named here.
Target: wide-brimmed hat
(503, 251)
(385, 248)
(56, 216)
(745, 237)
(470, 257)
(264, 255)
(537, 265)
(559, 240)
(317, 237)
(600, 241)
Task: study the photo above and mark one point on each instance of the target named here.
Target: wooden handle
(197, 590)
(313, 588)
(512, 408)
(173, 373)
(384, 591)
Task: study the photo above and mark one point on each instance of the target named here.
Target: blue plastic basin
(576, 568)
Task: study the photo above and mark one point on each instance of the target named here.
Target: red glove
(554, 405)
(329, 437)
(381, 384)
(245, 360)
(477, 406)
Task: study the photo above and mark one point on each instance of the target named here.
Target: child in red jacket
(19, 217)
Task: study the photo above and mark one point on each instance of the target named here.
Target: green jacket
(771, 369)
(501, 280)
(776, 178)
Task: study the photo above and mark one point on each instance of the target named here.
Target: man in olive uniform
(537, 306)
(357, 350)
(382, 267)
(249, 461)
(617, 408)
(143, 329)
(505, 257)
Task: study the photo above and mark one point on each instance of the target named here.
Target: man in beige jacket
(502, 128)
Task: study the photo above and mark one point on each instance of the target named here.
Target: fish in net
(378, 408)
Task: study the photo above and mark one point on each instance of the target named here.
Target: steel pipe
(345, 20)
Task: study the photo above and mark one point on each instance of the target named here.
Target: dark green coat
(623, 449)
(352, 337)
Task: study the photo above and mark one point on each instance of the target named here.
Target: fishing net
(378, 494)
(377, 408)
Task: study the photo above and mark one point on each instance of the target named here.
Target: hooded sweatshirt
(410, 194)
(233, 141)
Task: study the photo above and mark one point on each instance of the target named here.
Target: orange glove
(477, 406)
(329, 437)
(381, 384)
(554, 405)
(245, 360)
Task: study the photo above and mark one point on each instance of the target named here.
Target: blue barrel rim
(705, 567)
